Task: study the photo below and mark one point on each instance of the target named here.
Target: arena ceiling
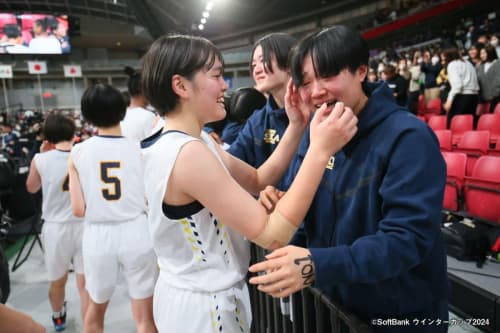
(229, 20)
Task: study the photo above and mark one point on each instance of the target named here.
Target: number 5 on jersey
(114, 190)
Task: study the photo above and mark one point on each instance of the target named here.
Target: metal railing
(309, 311)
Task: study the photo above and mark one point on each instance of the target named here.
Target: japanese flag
(37, 67)
(72, 71)
(5, 71)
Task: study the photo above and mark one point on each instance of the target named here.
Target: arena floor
(29, 293)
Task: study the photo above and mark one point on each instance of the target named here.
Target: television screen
(34, 34)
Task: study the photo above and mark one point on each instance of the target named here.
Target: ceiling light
(209, 6)
(201, 26)
(203, 20)
(206, 14)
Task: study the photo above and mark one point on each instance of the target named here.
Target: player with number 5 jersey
(106, 187)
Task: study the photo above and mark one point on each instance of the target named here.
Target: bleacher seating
(455, 176)
(459, 125)
(437, 122)
(482, 189)
(444, 138)
(495, 151)
(432, 108)
(490, 122)
(474, 144)
(497, 109)
(482, 108)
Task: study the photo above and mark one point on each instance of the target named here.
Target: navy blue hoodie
(374, 226)
(260, 135)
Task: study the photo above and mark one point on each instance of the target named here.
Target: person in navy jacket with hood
(265, 127)
(372, 235)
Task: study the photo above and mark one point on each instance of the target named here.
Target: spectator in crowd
(415, 82)
(397, 84)
(488, 75)
(402, 69)
(14, 43)
(494, 43)
(203, 262)
(11, 141)
(470, 36)
(264, 129)
(482, 40)
(139, 121)
(473, 53)
(464, 88)
(42, 42)
(371, 240)
(60, 32)
(372, 75)
(443, 84)
(430, 67)
(62, 232)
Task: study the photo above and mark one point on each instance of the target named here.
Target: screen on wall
(34, 34)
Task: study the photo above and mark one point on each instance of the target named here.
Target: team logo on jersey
(271, 136)
(331, 163)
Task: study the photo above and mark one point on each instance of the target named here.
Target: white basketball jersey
(195, 250)
(53, 169)
(137, 124)
(111, 176)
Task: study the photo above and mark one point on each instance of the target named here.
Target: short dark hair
(451, 54)
(332, 50)
(57, 128)
(134, 81)
(170, 55)
(103, 105)
(277, 45)
(12, 30)
(42, 23)
(389, 70)
(243, 102)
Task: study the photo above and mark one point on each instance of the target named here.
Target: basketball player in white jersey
(106, 188)
(201, 212)
(62, 231)
(139, 121)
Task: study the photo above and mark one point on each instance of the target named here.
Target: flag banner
(37, 67)
(6, 72)
(72, 71)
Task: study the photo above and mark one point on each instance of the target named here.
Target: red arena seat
(455, 176)
(497, 109)
(444, 137)
(490, 122)
(495, 151)
(437, 122)
(433, 107)
(460, 124)
(475, 144)
(482, 108)
(482, 189)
